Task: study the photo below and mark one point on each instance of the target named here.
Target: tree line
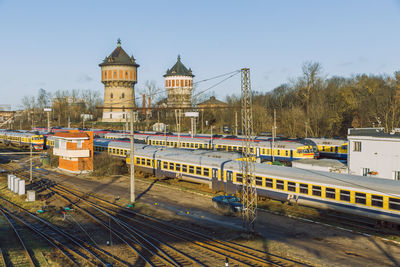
(313, 105)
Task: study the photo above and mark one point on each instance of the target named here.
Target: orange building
(75, 151)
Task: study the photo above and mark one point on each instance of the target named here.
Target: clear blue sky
(59, 44)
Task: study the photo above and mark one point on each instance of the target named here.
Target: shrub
(106, 165)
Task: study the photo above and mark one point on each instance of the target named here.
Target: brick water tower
(179, 85)
(119, 76)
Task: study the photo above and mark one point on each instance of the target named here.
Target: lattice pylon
(249, 193)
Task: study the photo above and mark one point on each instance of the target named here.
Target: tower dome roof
(119, 57)
(179, 70)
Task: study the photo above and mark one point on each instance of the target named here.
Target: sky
(57, 45)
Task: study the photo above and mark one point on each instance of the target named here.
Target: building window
(173, 83)
(186, 83)
(111, 95)
(365, 171)
(123, 95)
(177, 82)
(396, 175)
(110, 116)
(105, 74)
(79, 144)
(115, 75)
(357, 146)
(126, 75)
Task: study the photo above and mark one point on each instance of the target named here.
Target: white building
(372, 152)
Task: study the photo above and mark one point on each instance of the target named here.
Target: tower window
(186, 83)
(123, 95)
(126, 75)
(111, 95)
(105, 74)
(110, 116)
(115, 75)
(177, 82)
(123, 108)
(173, 83)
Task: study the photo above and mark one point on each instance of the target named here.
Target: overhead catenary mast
(249, 193)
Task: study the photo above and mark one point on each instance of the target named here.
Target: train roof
(18, 133)
(328, 141)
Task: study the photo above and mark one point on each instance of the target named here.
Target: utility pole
(132, 159)
(249, 194)
(306, 124)
(273, 137)
(30, 157)
(178, 125)
(236, 124)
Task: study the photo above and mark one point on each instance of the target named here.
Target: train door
(258, 152)
(230, 187)
(158, 168)
(215, 183)
(291, 155)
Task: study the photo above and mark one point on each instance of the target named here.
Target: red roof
(71, 135)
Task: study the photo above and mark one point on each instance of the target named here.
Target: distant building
(179, 85)
(212, 102)
(75, 151)
(119, 76)
(6, 115)
(372, 152)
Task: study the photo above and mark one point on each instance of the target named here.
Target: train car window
(291, 186)
(269, 182)
(137, 160)
(361, 198)
(178, 167)
(279, 151)
(165, 165)
(167, 143)
(198, 170)
(258, 180)
(184, 168)
(287, 153)
(239, 177)
(206, 172)
(344, 195)
(143, 161)
(316, 190)
(280, 184)
(148, 162)
(191, 169)
(304, 188)
(191, 145)
(377, 201)
(113, 150)
(330, 193)
(394, 203)
(196, 145)
(171, 165)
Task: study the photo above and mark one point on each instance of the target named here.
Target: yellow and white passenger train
(281, 150)
(373, 197)
(331, 148)
(22, 139)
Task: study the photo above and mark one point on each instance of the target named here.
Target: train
(264, 150)
(331, 148)
(375, 198)
(22, 139)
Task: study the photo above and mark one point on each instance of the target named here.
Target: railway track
(14, 255)
(159, 243)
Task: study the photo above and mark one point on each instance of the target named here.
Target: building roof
(67, 135)
(179, 70)
(212, 102)
(373, 132)
(119, 57)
